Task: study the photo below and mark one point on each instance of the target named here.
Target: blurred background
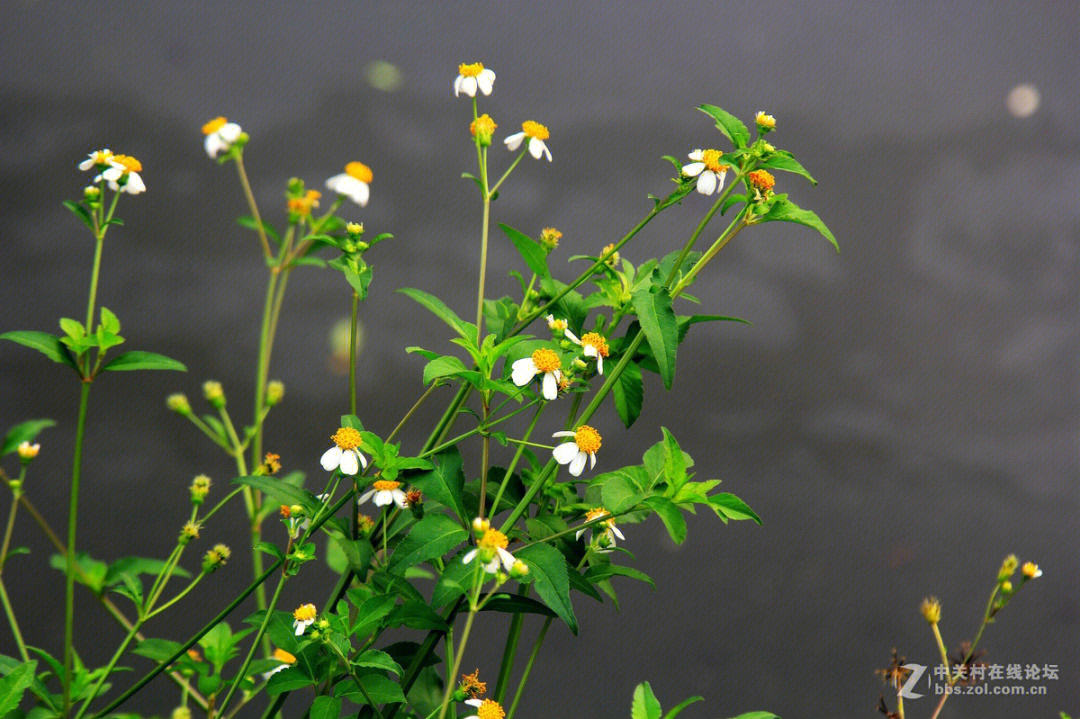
(901, 415)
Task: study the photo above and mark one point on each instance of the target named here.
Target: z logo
(917, 670)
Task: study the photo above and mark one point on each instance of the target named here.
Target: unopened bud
(214, 393)
(178, 403)
(200, 487)
(28, 451)
(188, 532)
(519, 570)
(931, 610)
(355, 229)
(1008, 568)
(549, 238)
(481, 525)
(275, 392)
(181, 713)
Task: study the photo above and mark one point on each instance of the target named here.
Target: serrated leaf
(619, 494)
(24, 432)
(379, 688)
(44, 343)
(249, 222)
(645, 704)
(15, 684)
(529, 249)
(661, 329)
(288, 680)
(431, 537)
(600, 572)
(83, 214)
(731, 126)
(516, 604)
(730, 506)
(326, 708)
(784, 161)
(453, 583)
(677, 709)
(444, 483)
(787, 211)
(143, 360)
(282, 492)
(374, 659)
(671, 516)
(440, 310)
(547, 567)
(629, 392)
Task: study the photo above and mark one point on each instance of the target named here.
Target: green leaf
(547, 567)
(83, 214)
(600, 572)
(757, 715)
(431, 537)
(288, 680)
(619, 494)
(352, 421)
(282, 492)
(731, 126)
(44, 343)
(787, 211)
(645, 704)
(143, 360)
(529, 249)
(110, 321)
(677, 709)
(671, 517)
(661, 329)
(157, 649)
(416, 614)
(139, 565)
(249, 222)
(326, 708)
(374, 659)
(674, 461)
(440, 310)
(24, 432)
(444, 484)
(15, 684)
(784, 161)
(446, 366)
(629, 393)
(379, 688)
(454, 582)
(728, 505)
(516, 604)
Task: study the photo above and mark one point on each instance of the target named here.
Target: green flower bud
(178, 403)
(275, 392)
(214, 393)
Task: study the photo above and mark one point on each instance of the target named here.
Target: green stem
(109, 668)
(73, 511)
(412, 410)
(457, 662)
(483, 246)
(352, 353)
(95, 273)
(513, 463)
(250, 196)
(11, 520)
(10, 612)
(509, 651)
(262, 362)
(495, 187)
(528, 668)
(485, 455)
(476, 430)
(178, 597)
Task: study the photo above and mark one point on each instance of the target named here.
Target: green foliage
(24, 432)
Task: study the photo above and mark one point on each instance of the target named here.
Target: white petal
(457, 85)
(365, 497)
(536, 148)
(513, 142)
(720, 179)
(134, 184)
(589, 351)
(577, 535)
(507, 558)
(492, 566)
(551, 386)
(592, 460)
(697, 155)
(617, 533)
(468, 86)
(571, 336)
(335, 182)
(706, 183)
(331, 458)
(474, 702)
(468, 558)
(523, 371)
(547, 152)
(565, 453)
(400, 498)
(86, 164)
(578, 464)
(599, 365)
(485, 81)
(361, 193)
(383, 498)
(362, 458)
(564, 433)
(212, 145)
(112, 174)
(693, 169)
(229, 132)
(350, 465)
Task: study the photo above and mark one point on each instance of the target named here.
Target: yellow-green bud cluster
(549, 238)
(931, 610)
(519, 570)
(27, 451)
(188, 532)
(181, 713)
(178, 403)
(200, 487)
(1008, 568)
(215, 558)
(214, 393)
(275, 392)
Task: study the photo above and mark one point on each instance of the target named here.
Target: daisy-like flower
(220, 135)
(28, 451)
(708, 169)
(585, 443)
(762, 180)
(353, 183)
(99, 159)
(486, 709)
(556, 326)
(472, 77)
(764, 122)
(282, 656)
(471, 685)
(123, 175)
(1031, 570)
(385, 492)
(542, 361)
(491, 547)
(304, 617)
(536, 133)
(606, 529)
(593, 345)
(344, 455)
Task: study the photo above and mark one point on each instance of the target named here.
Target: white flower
(344, 454)
(706, 166)
(541, 361)
(123, 175)
(606, 530)
(556, 326)
(472, 77)
(593, 345)
(353, 183)
(99, 158)
(491, 547)
(304, 617)
(220, 135)
(536, 133)
(486, 709)
(286, 660)
(385, 492)
(583, 447)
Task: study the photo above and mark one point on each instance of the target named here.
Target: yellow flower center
(535, 129)
(493, 539)
(283, 656)
(130, 163)
(385, 485)
(347, 438)
(1030, 569)
(470, 70)
(103, 157)
(587, 439)
(482, 125)
(592, 339)
(546, 360)
(471, 684)
(360, 171)
(711, 160)
(490, 709)
(766, 121)
(597, 514)
(214, 125)
(762, 180)
(549, 237)
(305, 613)
(354, 228)
(557, 326)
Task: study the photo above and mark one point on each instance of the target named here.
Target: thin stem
(109, 668)
(92, 300)
(513, 463)
(483, 246)
(178, 597)
(941, 648)
(495, 187)
(412, 410)
(477, 430)
(528, 668)
(352, 353)
(250, 196)
(10, 612)
(509, 651)
(73, 511)
(457, 662)
(485, 456)
(261, 362)
(11, 521)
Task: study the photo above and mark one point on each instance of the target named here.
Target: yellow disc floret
(305, 613)
(592, 339)
(130, 163)
(471, 684)
(283, 656)
(102, 157)
(470, 69)
(493, 539)
(1030, 570)
(711, 160)
(360, 171)
(385, 485)
(546, 360)
(214, 125)
(597, 513)
(762, 180)
(587, 439)
(766, 122)
(482, 125)
(549, 238)
(490, 709)
(347, 438)
(535, 129)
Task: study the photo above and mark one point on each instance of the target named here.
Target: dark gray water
(901, 415)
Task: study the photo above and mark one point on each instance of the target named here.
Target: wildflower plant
(421, 544)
